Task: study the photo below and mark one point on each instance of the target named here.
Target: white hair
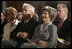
(31, 7)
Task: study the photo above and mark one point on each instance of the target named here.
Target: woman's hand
(33, 43)
(43, 43)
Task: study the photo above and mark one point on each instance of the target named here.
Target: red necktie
(59, 25)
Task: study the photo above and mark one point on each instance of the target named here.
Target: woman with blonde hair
(10, 14)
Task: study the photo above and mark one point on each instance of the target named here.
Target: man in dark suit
(24, 30)
(64, 26)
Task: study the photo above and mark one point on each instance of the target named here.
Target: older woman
(45, 34)
(10, 14)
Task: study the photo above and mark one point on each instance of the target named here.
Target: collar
(42, 26)
(48, 23)
(17, 21)
(64, 19)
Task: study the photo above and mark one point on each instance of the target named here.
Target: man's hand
(23, 34)
(19, 34)
(68, 43)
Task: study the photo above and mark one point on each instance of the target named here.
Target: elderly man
(64, 26)
(25, 29)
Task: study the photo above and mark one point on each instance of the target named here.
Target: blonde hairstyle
(64, 6)
(11, 10)
(52, 12)
(31, 7)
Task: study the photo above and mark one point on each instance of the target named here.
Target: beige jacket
(7, 30)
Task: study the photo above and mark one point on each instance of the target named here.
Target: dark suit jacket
(28, 27)
(2, 28)
(65, 30)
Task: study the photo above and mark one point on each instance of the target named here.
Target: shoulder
(52, 26)
(38, 27)
(32, 19)
(67, 21)
(34, 22)
(8, 24)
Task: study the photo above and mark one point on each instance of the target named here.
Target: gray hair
(52, 12)
(32, 8)
(64, 6)
(19, 13)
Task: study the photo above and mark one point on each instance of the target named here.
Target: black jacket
(28, 27)
(65, 31)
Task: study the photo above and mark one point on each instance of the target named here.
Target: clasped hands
(23, 35)
(42, 43)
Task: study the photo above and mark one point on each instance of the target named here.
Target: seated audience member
(36, 17)
(45, 34)
(10, 14)
(19, 17)
(24, 29)
(3, 22)
(64, 27)
(2, 17)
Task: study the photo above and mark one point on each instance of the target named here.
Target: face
(61, 12)
(26, 12)
(2, 16)
(9, 16)
(45, 16)
(20, 17)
